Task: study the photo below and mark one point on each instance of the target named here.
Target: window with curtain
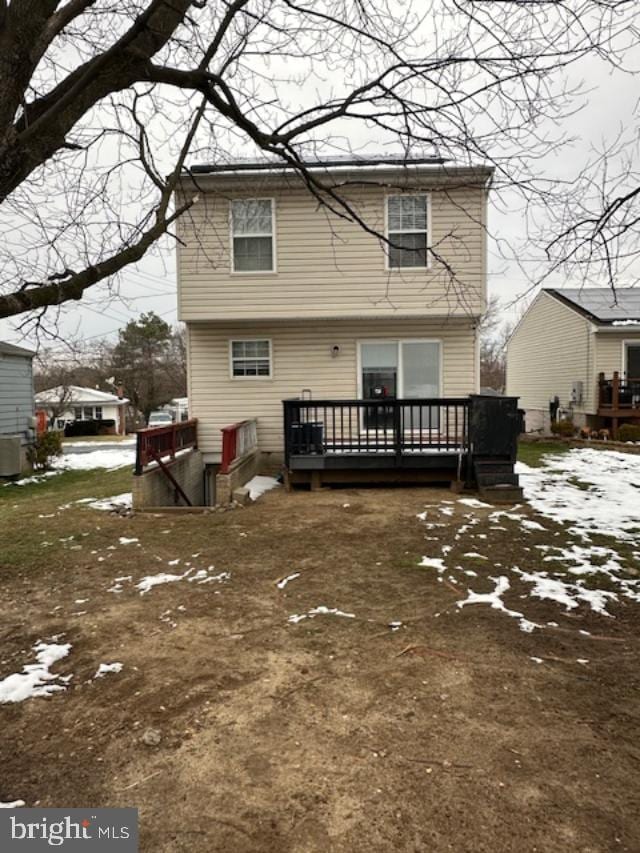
(407, 230)
(252, 235)
(250, 358)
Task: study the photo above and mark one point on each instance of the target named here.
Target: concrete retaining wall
(154, 489)
(240, 472)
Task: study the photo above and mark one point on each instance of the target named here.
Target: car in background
(157, 419)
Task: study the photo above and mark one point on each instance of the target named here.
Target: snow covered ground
(595, 491)
(590, 493)
(110, 458)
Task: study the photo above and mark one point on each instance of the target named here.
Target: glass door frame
(398, 342)
(626, 345)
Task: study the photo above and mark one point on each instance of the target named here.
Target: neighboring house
(17, 430)
(583, 347)
(283, 299)
(68, 403)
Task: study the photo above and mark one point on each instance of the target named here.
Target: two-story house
(374, 298)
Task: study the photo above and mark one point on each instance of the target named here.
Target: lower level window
(251, 358)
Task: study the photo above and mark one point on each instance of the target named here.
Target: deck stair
(497, 480)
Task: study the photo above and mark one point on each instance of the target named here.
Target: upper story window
(251, 358)
(252, 235)
(407, 230)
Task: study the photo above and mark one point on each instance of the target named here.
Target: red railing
(156, 443)
(237, 440)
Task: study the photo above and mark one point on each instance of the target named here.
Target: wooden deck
(403, 440)
(618, 400)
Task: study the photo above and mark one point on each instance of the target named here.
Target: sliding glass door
(420, 362)
(404, 369)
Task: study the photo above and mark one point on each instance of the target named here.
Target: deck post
(601, 380)
(615, 397)
(397, 429)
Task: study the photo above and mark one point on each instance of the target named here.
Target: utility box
(576, 392)
(10, 456)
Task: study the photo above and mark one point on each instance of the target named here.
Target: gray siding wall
(16, 396)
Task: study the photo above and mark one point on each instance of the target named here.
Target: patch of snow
(494, 600)
(116, 502)
(474, 503)
(35, 478)
(201, 576)
(475, 555)
(536, 660)
(108, 458)
(150, 581)
(16, 804)
(124, 541)
(259, 485)
(282, 583)
(105, 668)
(321, 610)
(35, 679)
(433, 563)
(529, 524)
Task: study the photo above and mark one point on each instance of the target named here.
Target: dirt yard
(249, 715)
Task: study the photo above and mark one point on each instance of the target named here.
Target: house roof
(251, 165)
(601, 305)
(384, 162)
(11, 349)
(76, 394)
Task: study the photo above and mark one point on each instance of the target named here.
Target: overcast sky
(151, 285)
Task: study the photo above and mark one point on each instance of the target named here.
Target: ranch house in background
(313, 341)
(71, 403)
(581, 346)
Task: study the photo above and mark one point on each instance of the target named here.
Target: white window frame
(274, 260)
(254, 339)
(407, 270)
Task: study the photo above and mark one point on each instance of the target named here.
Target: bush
(629, 432)
(564, 428)
(89, 427)
(46, 446)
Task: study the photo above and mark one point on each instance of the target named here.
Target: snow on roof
(77, 394)
(602, 304)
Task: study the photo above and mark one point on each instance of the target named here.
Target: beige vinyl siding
(302, 359)
(609, 351)
(550, 349)
(328, 267)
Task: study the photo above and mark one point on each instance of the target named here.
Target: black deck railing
(618, 393)
(386, 426)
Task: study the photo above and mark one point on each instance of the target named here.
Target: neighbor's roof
(11, 349)
(602, 305)
(77, 394)
(349, 162)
